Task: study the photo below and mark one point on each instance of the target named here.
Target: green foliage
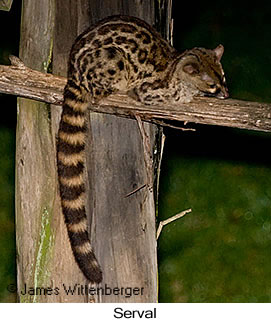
(221, 251)
(7, 236)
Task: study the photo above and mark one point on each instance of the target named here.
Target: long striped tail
(70, 163)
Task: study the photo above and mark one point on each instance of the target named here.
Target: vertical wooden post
(45, 263)
(122, 228)
(35, 165)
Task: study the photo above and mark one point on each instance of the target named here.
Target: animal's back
(113, 55)
(120, 53)
(117, 54)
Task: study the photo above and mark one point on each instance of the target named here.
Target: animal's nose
(223, 93)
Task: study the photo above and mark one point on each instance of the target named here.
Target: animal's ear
(191, 68)
(219, 50)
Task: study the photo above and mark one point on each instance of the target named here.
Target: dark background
(221, 252)
(9, 44)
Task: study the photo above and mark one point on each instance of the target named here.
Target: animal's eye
(212, 85)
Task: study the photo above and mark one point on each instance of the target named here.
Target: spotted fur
(120, 53)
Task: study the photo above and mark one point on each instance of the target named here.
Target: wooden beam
(20, 80)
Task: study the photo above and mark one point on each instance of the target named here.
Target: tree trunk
(122, 228)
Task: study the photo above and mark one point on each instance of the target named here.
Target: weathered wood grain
(122, 228)
(35, 163)
(23, 81)
(18, 79)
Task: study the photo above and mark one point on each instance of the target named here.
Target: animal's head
(202, 70)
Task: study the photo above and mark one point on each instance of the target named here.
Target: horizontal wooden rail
(17, 79)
